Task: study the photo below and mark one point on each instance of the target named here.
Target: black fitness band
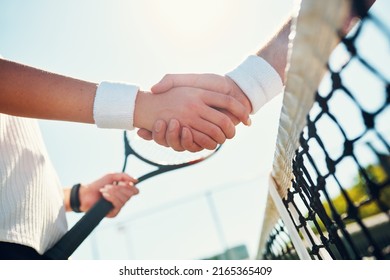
(75, 199)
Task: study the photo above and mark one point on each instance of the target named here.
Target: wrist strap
(75, 198)
(258, 80)
(114, 105)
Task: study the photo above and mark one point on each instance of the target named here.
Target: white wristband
(258, 80)
(114, 105)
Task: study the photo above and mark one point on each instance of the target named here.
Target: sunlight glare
(189, 19)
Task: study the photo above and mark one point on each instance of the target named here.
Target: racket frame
(65, 247)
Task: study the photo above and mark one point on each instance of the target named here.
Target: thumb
(145, 134)
(211, 82)
(165, 84)
(170, 81)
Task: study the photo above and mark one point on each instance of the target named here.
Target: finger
(212, 130)
(204, 140)
(118, 177)
(187, 141)
(183, 141)
(145, 134)
(122, 192)
(115, 203)
(210, 82)
(173, 135)
(227, 103)
(159, 132)
(118, 195)
(171, 80)
(234, 120)
(166, 83)
(221, 122)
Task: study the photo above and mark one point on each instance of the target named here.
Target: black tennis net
(339, 199)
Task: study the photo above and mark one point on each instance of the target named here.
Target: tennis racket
(160, 158)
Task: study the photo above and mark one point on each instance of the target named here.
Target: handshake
(192, 112)
(189, 111)
(184, 111)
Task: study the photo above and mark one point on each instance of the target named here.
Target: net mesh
(339, 198)
(279, 245)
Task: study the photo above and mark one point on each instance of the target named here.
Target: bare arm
(171, 134)
(29, 92)
(274, 53)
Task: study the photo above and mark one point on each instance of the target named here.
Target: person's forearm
(261, 77)
(29, 92)
(67, 199)
(275, 51)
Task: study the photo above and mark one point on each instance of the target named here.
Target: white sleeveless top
(31, 197)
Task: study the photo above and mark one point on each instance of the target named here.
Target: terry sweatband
(114, 105)
(258, 80)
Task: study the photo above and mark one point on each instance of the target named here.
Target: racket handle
(65, 247)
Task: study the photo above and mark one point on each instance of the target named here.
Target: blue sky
(139, 42)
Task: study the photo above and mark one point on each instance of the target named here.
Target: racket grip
(65, 247)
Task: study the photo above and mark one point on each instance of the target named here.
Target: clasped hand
(195, 111)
